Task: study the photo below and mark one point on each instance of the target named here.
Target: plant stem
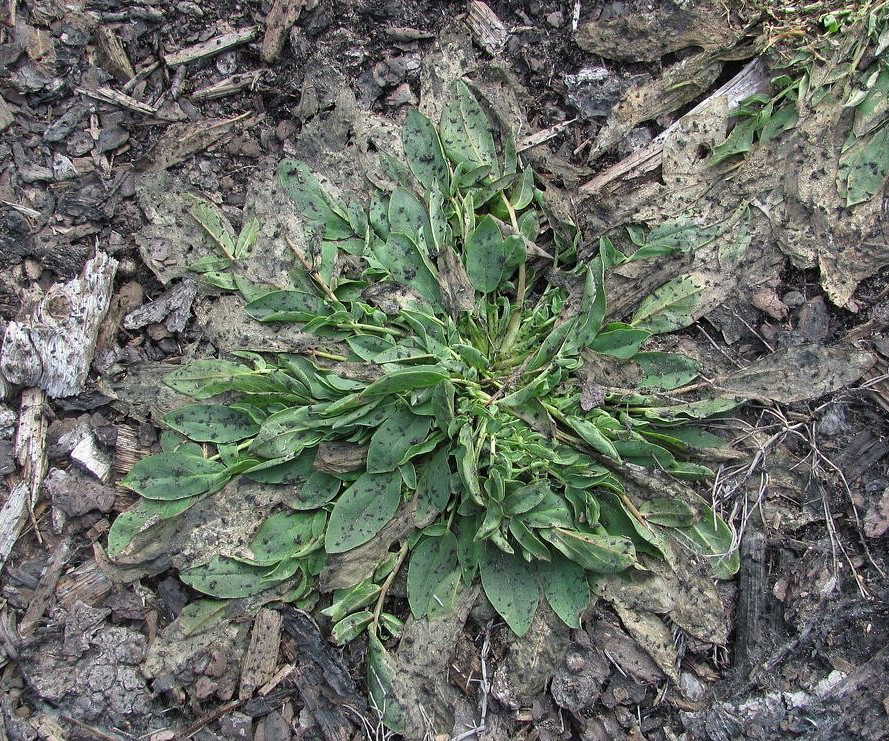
(515, 319)
(373, 328)
(313, 274)
(402, 554)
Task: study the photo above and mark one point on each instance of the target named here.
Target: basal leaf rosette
(446, 390)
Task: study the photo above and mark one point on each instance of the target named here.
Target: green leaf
(227, 578)
(408, 216)
(318, 490)
(362, 510)
(523, 193)
(305, 190)
(278, 471)
(202, 379)
(738, 141)
(215, 224)
(711, 537)
(525, 498)
(486, 256)
(433, 576)
(284, 535)
(666, 370)
(671, 306)
(528, 541)
(465, 131)
(424, 153)
(350, 627)
(200, 614)
(619, 340)
(247, 238)
(402, 258)
(175, 476)
(211, 423)
(392, 440)
(564, 584)
(406, 379)
(867, 167)
(594, 437)
(287, 306)
(600, 553)
(381, 672)
(348, 600)
(434, 483)
(551, 512)
(510, 587)
(141, 516)
(669, 512)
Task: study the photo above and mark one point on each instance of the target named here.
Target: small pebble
(793, 299)
(556, 19)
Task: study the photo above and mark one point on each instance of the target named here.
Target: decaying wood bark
(261, 658)
(752, 79)
(52, 349)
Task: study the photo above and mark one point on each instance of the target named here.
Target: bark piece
(211, 47)
(12, 518)
(174, 305)
(53, 348)
(109, 95)
(181, 140)
(487, 29)
(116, 60)
(45, 589)
(278, 22)
(262, 654)
(324, 682)
(87, 583)
(90, 457)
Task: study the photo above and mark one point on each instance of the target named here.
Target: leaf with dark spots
(362, 510)
(510, 587)
(175, 476)
(212, 423)
(424, 153)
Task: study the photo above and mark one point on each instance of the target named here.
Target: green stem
(515, 319)
(373, 328)
(402, 554)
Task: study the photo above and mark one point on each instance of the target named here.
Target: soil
(795, 646)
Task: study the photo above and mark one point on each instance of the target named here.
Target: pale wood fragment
(45, 589)
(211, 47)
(539, 137)
(87, 583)
(111, 47)
(261, 658)
(487, 29)
(13, 515)
(109, 95)
(7, 116)
(53, 347)
(278, 22)
(30, 442)
(90, 457)
(228, 86)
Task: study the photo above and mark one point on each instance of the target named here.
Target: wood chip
(7, 115)
(53, 347)
(30, 441)
(13, 516)
(278, 22)
(261, 658)
(211, 47)
(45, 589)
(228, 86)
(487, 29)
(116, 60)
(109, 95)
(181, 140)
(90, 457)
(87, 583)
(542, 136)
